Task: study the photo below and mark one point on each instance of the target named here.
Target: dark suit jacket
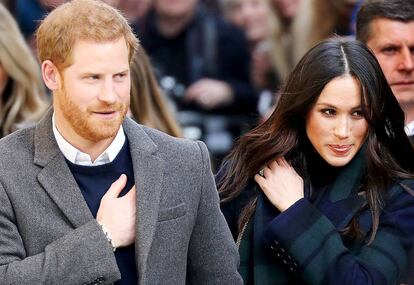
(408, 274)
(48, 235)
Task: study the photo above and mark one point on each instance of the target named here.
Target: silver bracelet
(108, 237)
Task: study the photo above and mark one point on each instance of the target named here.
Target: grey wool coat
(48, 235)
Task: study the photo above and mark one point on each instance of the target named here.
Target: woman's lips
(340, 150)
(402, 83)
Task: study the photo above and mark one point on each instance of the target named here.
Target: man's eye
(93, 77)
(120, 75)
(389, 50)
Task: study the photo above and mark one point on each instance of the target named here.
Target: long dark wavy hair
(389, 154)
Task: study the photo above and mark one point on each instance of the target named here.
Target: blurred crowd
(213, 70)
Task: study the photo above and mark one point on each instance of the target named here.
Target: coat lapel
(148, 172)
(55, 177)
(61, 186)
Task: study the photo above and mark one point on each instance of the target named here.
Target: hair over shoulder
(388, 151)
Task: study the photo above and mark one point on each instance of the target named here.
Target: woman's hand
(281, 184)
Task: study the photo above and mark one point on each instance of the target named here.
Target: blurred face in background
(231, 10)
(113, 3)
(252, 16)
(174, 8)
(344, 7)
(286, 9)
(133, 10)
(50, 4)
(4, 78)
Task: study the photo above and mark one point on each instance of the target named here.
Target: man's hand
(118, 214)
(210, 93)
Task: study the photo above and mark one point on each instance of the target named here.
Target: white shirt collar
(76, 156)
(409, 129)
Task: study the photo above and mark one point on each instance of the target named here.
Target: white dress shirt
(76, 156)
(409, 129)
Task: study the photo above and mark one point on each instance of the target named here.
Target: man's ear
(51, 75)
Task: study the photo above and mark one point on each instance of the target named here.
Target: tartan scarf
(258, 264)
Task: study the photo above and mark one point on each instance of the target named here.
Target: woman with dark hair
(321, 192)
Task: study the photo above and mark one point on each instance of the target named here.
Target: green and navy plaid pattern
(307, 235)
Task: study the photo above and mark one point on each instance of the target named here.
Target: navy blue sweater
(93, 182)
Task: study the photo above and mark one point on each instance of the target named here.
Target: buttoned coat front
(48, 235)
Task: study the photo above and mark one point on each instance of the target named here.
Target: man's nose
(406, 60)
(108, 94)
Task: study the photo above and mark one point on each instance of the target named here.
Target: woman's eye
(358, 114)
(328, 112)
